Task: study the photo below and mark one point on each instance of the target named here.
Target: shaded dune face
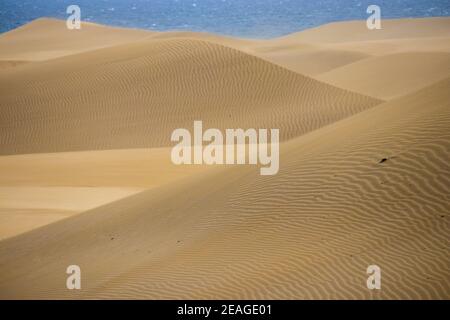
(86, 176)
(308, 232)
(136, 95)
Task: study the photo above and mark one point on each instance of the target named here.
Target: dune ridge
(391, 76)
(86, 176)
(259, 237)
(48, 38)
(357, 31)
(132, 96)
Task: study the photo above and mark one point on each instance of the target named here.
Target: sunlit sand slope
(135, 95)
(38, 189)
(308, 59)
(391, 76)
(310, 52)
(47, 38)
(334, 45)
(370, 189)
(355, 31)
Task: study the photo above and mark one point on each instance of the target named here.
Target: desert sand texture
(86, 176)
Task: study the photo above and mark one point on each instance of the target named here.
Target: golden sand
(86, 176)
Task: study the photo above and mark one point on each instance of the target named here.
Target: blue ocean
(243, 18)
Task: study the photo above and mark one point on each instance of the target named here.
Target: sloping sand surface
(46, 38)
(86, 176)
(9, 64)
(356, 31)
(391, 76)
(334, 45)
(134, 96)
(391, 46)
(308, 52)
(37, 189)
(308, 232)
(307, 59)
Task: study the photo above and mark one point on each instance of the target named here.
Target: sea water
(243, 18)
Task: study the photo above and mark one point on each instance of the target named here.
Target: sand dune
(135, 95)
(391, 46)
(9, 64)
(391, 76)
(27, 208)
(298, 56)
(307, 59)
(357, 31)
(309, 232)
(38, 189)
(86, 176)
(309, 52)
(334, 45)
(46, 38)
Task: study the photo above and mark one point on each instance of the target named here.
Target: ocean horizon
(242, 18)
